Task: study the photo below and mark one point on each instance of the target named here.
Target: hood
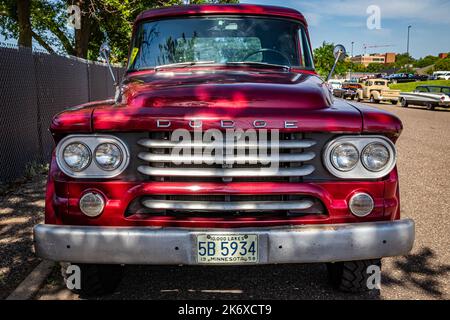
(217, 88)
(211, 97)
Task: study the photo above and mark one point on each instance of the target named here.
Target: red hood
(226, 89)
(241, 96)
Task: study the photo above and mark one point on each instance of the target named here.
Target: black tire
(96, 279)
(430, 106)
(403, 102)
(357, 99)
(394, 102)
(350, 276)
(372, 99)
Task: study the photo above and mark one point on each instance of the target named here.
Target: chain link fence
(33, 87)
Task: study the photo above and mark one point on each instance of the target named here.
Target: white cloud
(433, 11)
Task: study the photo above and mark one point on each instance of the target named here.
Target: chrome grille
(227, 205)
(163, 165)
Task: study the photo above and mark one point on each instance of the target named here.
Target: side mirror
(339, 53)
(105, 53)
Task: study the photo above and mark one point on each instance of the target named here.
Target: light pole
(407, 43)
(351, 63)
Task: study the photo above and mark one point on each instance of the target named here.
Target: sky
(345, 21)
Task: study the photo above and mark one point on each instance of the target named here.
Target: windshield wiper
(259, 64)
(183, 64)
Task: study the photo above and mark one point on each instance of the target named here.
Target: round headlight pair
(77, 156)
(360, 157)
(375, 157)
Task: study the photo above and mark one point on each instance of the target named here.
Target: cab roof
(223, 9)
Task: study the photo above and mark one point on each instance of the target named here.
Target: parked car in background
(428, 96)
(406, 77)
(335, 84)
(348, 90)
(437, 74)
(377, 90)
(445, 76)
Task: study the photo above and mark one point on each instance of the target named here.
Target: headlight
(360, 157)
(375, 156)
(108, 156)
(74, 156)
(77, 156)
(344, 157)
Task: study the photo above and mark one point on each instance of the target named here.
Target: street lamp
(407, 43)
(351, 63)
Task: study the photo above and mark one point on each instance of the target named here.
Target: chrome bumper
(293, 244)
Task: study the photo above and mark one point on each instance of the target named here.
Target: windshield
(220, 40)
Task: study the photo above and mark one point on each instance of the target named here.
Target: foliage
(410, 86)
(442, 65)
(324, 60)
(425, 61)
(403, 59)
(110, 20)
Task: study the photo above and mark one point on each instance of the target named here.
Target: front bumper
(299, 244)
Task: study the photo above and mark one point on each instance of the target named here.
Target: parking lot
(424, 157)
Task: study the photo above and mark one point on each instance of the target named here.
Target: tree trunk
(23, 16)
(82, 35)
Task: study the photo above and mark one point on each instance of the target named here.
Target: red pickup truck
(223, 146)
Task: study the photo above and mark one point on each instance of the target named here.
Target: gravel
(20, 209)
(424, 166)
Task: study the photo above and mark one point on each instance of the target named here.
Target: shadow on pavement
(418, 271)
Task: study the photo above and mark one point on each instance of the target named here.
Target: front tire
(96, 279)
(351, 276)
(403, 103)
(430, 106)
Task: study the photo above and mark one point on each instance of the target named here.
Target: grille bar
(233, 172)
(290, 144)
(293, 157)
(151, 203)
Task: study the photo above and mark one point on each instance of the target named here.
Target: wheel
(96, 279)
(372, 99)
(394, 102)
(357, 98)
(403, 102)
(429, 106)
(351, 276)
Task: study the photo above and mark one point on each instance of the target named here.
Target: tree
(442, 65)
(426, 61)
(324, 60)
(46, 22)
(24, 23)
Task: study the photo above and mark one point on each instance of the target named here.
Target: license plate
(227, 248)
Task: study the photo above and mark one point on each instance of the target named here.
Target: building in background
(443, 55)
(367, 59)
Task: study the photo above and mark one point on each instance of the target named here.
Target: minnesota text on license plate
(227, 248)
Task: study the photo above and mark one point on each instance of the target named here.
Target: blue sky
(344, 21)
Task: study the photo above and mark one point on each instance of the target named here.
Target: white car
(445, 76)
(335, 84)
(428, 96)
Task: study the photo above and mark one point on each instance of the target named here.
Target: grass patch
(410, 86)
